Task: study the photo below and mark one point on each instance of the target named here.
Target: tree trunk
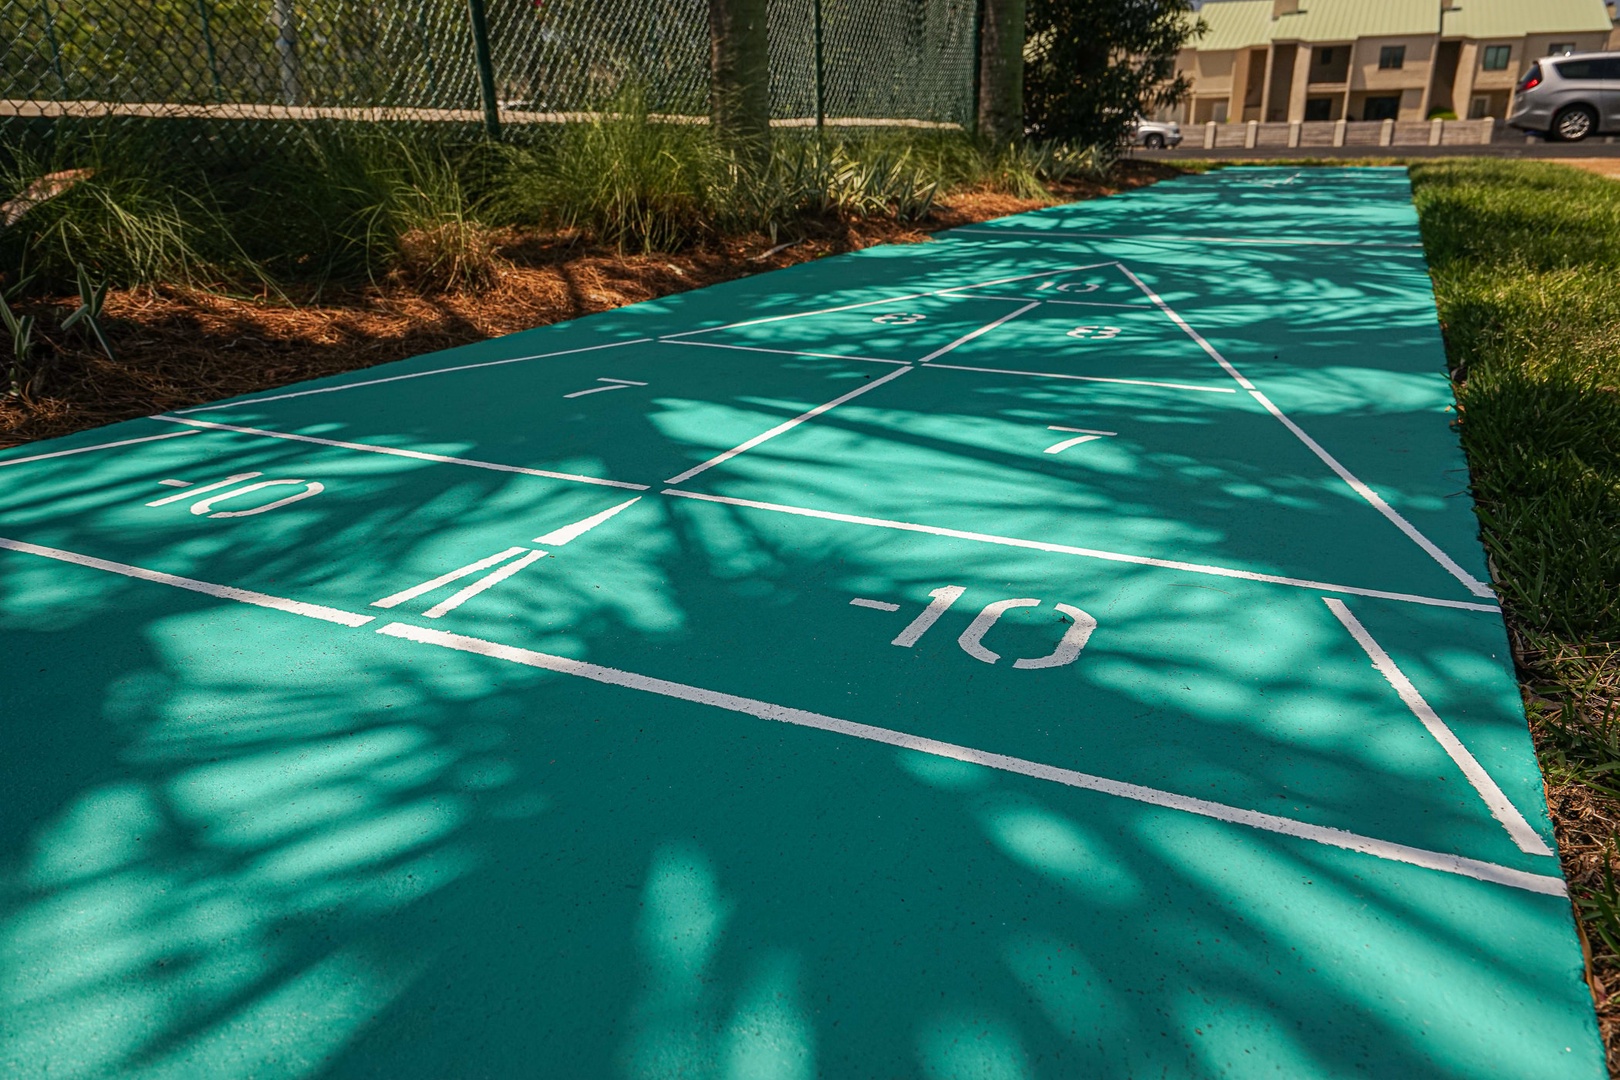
(740, 74)
(1001, 71)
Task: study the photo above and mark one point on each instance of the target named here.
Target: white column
(1300, 90)
(1265, 85)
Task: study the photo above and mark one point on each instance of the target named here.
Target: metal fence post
(286, 21)
(821, 69)
(486, 68)
(56, 47)
(208, 47)
(427, 53)
(973, 101)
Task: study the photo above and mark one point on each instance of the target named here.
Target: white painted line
(1089, 303)
(1088, 378)
(959, 294)
(875, 605)
(98, 446)
(786, 425)
(1058, 448)
(1289, 179)
(596, 390)
(224, 592)
(785, 352)
(965, 338)
(940, 602)
(1021, 277)
(1321, 834)
(1062, 234)
(579, 528)
(1469, 581)
(1473, 584)
(1079, 430)
(394, 451)
(191, 492)
(1213, 352)
(672, 338)
(618, 384)
(886, 300)
(1089, 553)
(179, 483)
(481, 584)
(1528, 840)
(444, 579)
(402, 378)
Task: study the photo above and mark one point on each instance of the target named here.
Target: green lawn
(1526, 264)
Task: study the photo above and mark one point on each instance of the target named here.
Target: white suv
(1154, 135)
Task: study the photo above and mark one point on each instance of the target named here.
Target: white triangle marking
(1375, 500)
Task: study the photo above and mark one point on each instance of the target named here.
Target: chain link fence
(837, 61)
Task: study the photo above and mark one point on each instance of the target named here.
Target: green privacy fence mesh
(858, 60)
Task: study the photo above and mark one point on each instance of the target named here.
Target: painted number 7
(1096, 333)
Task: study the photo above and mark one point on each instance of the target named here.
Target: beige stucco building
(1297, 60)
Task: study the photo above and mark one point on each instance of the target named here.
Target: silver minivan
(1569, 97)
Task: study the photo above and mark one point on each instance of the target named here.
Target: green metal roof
(1237, 24)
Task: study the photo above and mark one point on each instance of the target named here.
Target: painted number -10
(1079, 626)
(275, 495)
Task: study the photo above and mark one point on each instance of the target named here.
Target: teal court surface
(1063, 649)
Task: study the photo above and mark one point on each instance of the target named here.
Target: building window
(1324, 56)
(1381, 108)
(1497, 57)
(1479, 108)
(1391, 57)
(1562, 48)
(1318, 108)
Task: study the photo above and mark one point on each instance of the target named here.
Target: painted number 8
(1096, 333)
(899, 319)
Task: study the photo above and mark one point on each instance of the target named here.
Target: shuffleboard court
(1061, 649)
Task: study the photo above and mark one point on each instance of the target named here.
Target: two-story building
(1296, 60)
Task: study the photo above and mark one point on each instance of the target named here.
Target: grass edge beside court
(1522, 254)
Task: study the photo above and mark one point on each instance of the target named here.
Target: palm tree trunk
(740, 74)
(1001, 71)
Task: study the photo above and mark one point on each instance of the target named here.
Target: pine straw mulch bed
(179, 347)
